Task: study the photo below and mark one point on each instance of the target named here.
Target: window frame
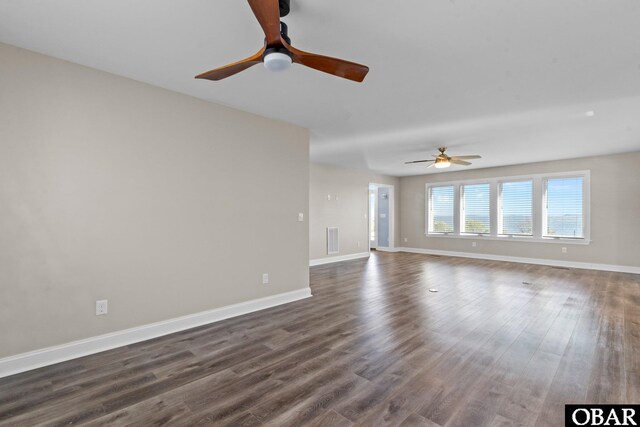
(545, 207)
(462, 208)
(499, 215)
(429, 194)
(538, 212)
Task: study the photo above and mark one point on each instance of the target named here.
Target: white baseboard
(48, 356)
(523, 260)
(333, 259)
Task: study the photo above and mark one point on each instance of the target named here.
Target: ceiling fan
(277, 54)
(442, 161)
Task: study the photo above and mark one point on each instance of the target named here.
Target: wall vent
(333, 244)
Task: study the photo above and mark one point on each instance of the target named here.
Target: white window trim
(538, 211)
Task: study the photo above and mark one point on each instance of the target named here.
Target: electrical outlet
(102, 307)
(474, 244)
(564, 250)
(265, 279)
(300, 217)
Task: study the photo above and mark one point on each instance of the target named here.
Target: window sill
(521, 239)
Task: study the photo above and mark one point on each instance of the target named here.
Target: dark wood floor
(372, 347)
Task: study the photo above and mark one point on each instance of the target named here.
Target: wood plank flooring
(372, 347)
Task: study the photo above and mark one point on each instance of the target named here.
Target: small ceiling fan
(277, 54)
(442, 161)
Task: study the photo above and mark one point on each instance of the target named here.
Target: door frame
(372, 244)
(392, 209)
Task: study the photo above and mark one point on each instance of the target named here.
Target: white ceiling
(507, 79)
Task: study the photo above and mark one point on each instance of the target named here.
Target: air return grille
(333, 244)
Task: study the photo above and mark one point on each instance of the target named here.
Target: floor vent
(333, 244)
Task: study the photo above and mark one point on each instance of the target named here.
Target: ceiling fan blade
(418, 161)
(459, 162)
(231, 69)
(326, 64)
(268, 15)
(466, 157)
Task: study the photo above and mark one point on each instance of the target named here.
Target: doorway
(380, 224)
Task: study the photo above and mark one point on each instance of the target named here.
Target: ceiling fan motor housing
(284, 32)
(270, 50)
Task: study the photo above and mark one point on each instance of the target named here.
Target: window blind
(564, 207)
(476, 208)
(516, 208)
(441, 209)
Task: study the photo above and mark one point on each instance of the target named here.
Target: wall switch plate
(358, 243)
(300, 217)
(329, 197)
(102, 307)
(474, 244)
(265, 279)
(406, 240)
(564, 250)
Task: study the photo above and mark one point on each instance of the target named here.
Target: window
(535, 208)
(563, 207)
(476, 208)
(441, 210)
(516, 208)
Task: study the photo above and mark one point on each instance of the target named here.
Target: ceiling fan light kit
(277, 61)
(278, 54)
(442, 163)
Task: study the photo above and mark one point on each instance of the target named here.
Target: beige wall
(161, 203)
(348, 212)
(615, 212)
